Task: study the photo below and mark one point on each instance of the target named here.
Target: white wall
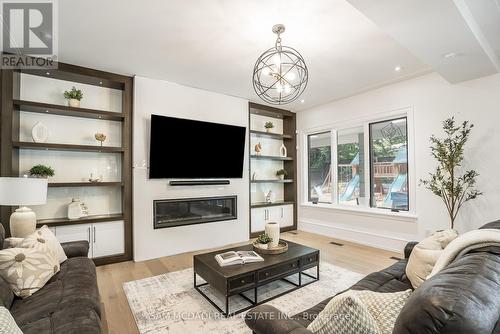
(169, 99)
(432, 100)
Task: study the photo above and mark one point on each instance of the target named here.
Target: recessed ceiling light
(302, 101)
(398, 68)
(450, 55)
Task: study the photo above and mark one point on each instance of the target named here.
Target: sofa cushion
(73, 320)
(6, 294)
(45, 236)
(74, 286)
(463, 298)
(7, 323)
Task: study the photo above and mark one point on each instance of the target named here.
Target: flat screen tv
(187, 149)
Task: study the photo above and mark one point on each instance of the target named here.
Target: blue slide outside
(396, 186)
(351, 187)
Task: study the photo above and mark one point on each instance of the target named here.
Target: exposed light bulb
(287, 89)
(279, 88)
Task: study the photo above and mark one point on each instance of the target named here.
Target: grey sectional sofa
(68, 303)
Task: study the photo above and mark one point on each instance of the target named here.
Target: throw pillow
(344, 314)
(45, 236)
(425, 254)
(360, 312)
(12, 242)
(7, 323)
(26, 270)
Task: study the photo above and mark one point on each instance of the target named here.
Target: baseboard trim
(385, 242)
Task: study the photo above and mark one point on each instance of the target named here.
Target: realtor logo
(28, 34)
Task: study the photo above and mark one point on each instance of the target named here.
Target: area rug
(168, 303)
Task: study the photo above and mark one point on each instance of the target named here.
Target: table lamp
(22, 191)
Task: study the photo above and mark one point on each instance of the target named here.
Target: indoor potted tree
(446, 181)
(41, 171)
(74, 97)
(269, 126)
(282, 173)
(263, 241)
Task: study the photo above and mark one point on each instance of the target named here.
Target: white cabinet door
(259, 219)
(286, 215)
(275, 214)
(75, 232)
(108, 238)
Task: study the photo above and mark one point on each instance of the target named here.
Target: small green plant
(282, 172)
(269, 125)
(73, 94)
(264, 239)
(41, 171)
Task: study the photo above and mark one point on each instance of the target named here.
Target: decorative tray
(281, 248)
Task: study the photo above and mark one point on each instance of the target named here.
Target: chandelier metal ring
(280, 74)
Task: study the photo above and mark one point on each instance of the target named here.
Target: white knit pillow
(360, 312)
(7, 323)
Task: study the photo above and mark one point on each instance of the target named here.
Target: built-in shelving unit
(29, 96)
(263, 167)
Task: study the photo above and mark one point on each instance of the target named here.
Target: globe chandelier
(280, 74)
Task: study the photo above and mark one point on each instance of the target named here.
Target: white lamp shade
(21, 191)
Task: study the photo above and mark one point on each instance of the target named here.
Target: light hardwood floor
(118, 319)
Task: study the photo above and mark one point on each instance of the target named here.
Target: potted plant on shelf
(41, 171)
(73, 96)
(263, 241)
(269, 126)
(282, 173)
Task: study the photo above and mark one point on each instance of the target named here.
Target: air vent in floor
(294, 233)
(336, 243)
(395, 258)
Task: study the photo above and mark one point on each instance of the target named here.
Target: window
(319, 172)
(364, 166)
(350, 167)
(389, 164)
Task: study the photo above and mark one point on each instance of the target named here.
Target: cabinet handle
(88, 232)
(282, 212)
(94, 234)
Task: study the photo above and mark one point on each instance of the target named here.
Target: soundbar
(199, 183)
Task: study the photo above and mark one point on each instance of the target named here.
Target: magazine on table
(240, 257)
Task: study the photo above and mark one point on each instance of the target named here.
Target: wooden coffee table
(234, 280)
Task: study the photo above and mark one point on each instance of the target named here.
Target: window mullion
(334, 167)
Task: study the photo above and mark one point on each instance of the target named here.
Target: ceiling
(350, 46)
(213, 45)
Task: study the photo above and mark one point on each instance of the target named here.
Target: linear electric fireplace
(189, 211)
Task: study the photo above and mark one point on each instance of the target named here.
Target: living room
(249, 167)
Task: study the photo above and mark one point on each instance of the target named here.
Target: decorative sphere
(280, 75)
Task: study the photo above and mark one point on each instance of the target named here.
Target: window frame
(333, 134)
(370, 157)
(364, 122)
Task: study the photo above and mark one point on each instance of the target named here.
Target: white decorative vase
(269, 130)
(75, 209)
(263, 246)
(283, 151)
(273, 231)
(39, 133)
(74, 103)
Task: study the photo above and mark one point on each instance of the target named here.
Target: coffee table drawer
(278, 270)
(309, 260)
(240, 282)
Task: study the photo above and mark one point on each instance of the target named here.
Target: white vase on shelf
(74, 103)
(283, 151)
(273, 231)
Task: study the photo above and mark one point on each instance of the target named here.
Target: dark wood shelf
(273, 181)
(84, 184)
(270, 135)
(275, 203)
(55, 109)
(270, 157)
(67, 147)
(83, 220)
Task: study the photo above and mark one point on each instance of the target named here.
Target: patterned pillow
(27, 270)
(45, 236)
(360, 312)
(7, 323)
(344, 314)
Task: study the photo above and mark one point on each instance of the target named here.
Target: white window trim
(349, 123)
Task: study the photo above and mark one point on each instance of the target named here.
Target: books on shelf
(240, 257)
